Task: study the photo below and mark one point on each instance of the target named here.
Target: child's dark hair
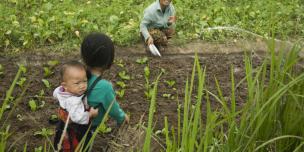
(97, 50)
(68, 64)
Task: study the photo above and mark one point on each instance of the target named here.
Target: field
(230, 80)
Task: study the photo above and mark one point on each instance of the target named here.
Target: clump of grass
(269, 120)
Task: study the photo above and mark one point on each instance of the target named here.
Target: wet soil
(177, 65)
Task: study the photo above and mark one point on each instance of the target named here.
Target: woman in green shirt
(97, 52)
(157, 25)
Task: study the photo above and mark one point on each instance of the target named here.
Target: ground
(177, 62)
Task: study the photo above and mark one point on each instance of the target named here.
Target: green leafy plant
(120, 93)
(170, 83)
(104, 129)
(120, 63)
(47, 72)
(44, 132)
(143, 60)
(53, 119)
(168, 95)
(52, 63)
(121, 84)
(21, 82)
(38, 149)
(46, 83)
(33, 105)
(148, 91)
(124, 76)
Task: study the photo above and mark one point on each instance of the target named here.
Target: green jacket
(101, 96)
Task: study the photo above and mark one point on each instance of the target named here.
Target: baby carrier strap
(89, 90)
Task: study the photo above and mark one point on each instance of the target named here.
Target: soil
(177, 62)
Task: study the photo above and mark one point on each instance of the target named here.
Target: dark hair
(68, 64)
(97, 50)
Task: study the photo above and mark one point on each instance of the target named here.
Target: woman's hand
(149, 40)
(172, 19)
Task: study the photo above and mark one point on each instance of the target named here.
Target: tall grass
(271, 118)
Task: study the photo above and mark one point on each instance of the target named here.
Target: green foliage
(121, 84)
(52, 63)
(120, 93)
(33, 105)
(35, 23)
(21, 82)
(143, 60)
(104, 129)
(268, 120)
(168, 95)
(38, 149)
(47, 72)
(53, 117)
(46, 83)
(44, 132)
(170, 83)
(123, 75)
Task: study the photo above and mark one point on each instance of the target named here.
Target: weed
(120, 93)
(124, 76)
(33, 105)
(143, 60)
(47, 72)
(121, 84)
(44, 132)
(21, 82)
(46, 83)
(170, 83)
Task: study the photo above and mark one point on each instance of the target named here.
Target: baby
(72, 101)
(71, 92)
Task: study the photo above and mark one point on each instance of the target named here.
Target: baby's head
(97, 51)
(73, 77)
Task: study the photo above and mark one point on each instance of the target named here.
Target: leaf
(120, 93)
(38, 149)
(121, 84)
(147, 72)
(33, 105)
(124, 76)
(22, 68)
(47, 71)
(44, 132)
(21, 82)
(104, 129)
(54, 117)
(142, 60)
(170, 83)
(52, 63)
(46, 83)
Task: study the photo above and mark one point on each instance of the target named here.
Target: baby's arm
(93, 112)
(77, 112)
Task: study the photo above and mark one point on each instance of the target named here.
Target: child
(97, 52)
(70, 96)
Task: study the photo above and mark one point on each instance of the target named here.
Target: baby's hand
(93, 112)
